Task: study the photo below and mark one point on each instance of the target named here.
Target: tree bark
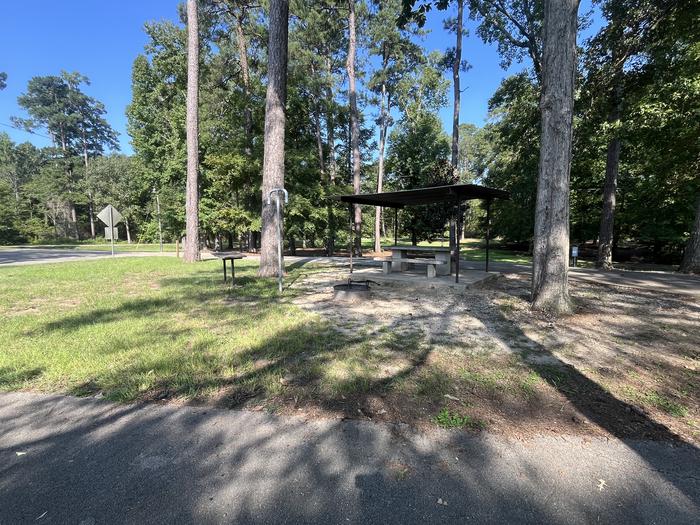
(455, 119)
(332, 167)
(330, 126)
(74, 221)
(354, 126)
(456, 87)
(691, 256)
(91, 214)
(550, 290)
(245, 73)
(612, 164)
(192, 190)
(128, 230)
(91, 210)
(383, 125)
(273, 156)
(317, 128)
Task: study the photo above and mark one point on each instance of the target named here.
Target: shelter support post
(454, 237)
(396, 226)
(352, 232)
(488, 231)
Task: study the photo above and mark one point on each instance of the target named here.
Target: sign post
(111, 217)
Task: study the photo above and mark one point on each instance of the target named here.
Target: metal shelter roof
(431, 195)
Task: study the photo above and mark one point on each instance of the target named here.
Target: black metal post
(396, 226)
(352, 233)
(488, 231)
(454, 234)
(458, 237)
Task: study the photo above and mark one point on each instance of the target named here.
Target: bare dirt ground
(626, 364)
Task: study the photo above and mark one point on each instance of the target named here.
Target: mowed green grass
(154, 327)
(139, 329)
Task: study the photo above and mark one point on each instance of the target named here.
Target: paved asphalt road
(16, 256)
(86, 461)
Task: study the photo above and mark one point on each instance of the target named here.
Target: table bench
(230, 257)
(401, 259)
(430, 264)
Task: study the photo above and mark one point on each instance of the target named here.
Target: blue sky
(100, 39)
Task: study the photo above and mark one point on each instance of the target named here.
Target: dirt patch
(625, 364)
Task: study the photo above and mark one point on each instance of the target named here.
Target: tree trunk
(456, 87)
(128, 230)
(330, 126)
(550, 290)
(612, 164)
(455, 120)
(273, 156)
(691, 256)
(89, 193)
(317, 129)
(332, 167)
(74, 221)
(245, 73)
(91, 214)
(354, 126)
(192, 190)
(383, 125)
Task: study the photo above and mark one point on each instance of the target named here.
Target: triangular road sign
(110, 216)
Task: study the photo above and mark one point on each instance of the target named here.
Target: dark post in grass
(488, 231)
(352, 231)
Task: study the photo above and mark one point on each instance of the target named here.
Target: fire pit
(352, 291)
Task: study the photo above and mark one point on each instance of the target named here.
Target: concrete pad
(419, 279)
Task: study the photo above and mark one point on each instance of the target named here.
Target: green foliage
(475, 153)
(418, 157)
(647, 50)
(513, 131)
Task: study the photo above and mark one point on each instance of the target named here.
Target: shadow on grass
(300, 356)
(11, 378)
(596, 403)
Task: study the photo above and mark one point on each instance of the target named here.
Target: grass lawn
(140, 328)
(157, 329)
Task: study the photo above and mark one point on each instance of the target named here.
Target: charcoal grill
(353, 291)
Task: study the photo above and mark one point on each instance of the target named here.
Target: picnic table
(437, 262)
(230, 257)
